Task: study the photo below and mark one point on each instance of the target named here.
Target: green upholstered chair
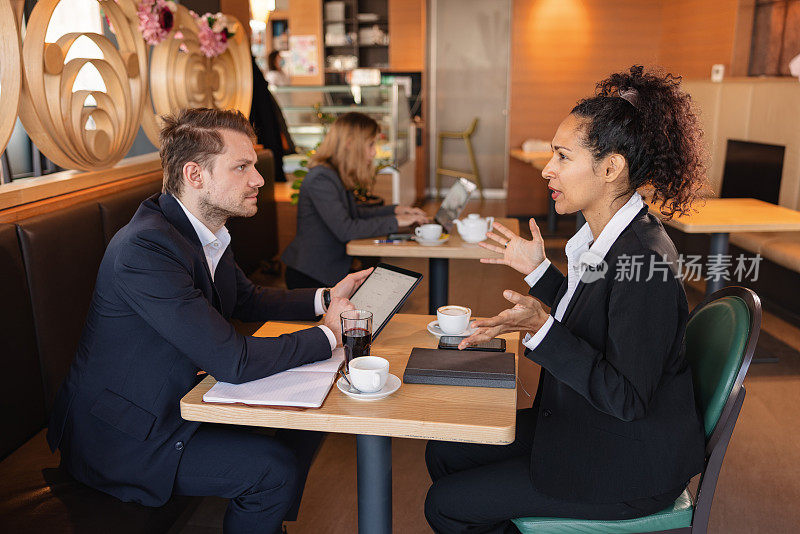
(720, 340)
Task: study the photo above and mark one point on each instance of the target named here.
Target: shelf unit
(369, 55)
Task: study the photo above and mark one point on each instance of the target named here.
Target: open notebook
(305, 386)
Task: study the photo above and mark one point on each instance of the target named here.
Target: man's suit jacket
(327, 218)
(616, 417)
(156, 319)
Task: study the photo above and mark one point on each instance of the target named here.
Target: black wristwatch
(326, 297)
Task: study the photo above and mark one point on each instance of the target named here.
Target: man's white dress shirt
(214, 245)
(581, 250)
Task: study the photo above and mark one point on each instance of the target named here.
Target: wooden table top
(724, 215)
(455, 248)
(453, 413)
(537, 158)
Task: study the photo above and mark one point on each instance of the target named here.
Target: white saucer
(433, 328)
(392, 384)
(433, 243)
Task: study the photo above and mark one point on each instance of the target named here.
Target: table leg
(437, 284)
(719, 245)
(374, 456)
(552, 215)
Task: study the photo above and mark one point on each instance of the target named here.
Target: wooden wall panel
(696, 35)
(407, 34)
(305, 18)
(751, 109)
(559, 50)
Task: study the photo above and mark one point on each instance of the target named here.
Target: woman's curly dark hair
(645, 117)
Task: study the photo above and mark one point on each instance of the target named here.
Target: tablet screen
(383, 292)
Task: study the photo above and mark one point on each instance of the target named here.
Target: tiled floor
(758, 491)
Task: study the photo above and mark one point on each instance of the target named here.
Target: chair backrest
(471, 128)
(721, 337)
(717, 337)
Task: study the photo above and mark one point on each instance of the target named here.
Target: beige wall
(752, 109)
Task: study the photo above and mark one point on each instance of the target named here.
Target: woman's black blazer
(616, 416)
(327, 218)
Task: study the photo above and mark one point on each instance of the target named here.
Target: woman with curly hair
(614, 432)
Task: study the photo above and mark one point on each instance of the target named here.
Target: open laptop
(454, 202)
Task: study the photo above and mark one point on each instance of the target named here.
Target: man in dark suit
(166, 287)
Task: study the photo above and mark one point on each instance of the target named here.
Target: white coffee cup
(453, 320)
(369, 373)
(428, 232)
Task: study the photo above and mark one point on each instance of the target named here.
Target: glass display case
(310, 110)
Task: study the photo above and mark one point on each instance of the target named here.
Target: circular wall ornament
(10, 71)
(182, 77)
(84, 129)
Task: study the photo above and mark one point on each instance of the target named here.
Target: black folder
(461, 368)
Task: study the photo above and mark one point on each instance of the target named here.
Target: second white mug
(369, 373)
(428, 232)
(453, 320)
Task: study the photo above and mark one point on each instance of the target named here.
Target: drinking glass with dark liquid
(356, 333)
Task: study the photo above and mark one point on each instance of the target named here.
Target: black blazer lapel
(642, 214)
(176, 216)
(573, 301)
(225, 283)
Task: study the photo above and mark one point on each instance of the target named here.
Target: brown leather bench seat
(48, 266)
(37, 496)
(782, 248)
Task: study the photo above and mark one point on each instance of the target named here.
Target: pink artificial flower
(156, 18)
(212, 43)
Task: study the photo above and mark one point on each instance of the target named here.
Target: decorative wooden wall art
(36, 83)
(10, 69)
(181, 76)
(56, 118)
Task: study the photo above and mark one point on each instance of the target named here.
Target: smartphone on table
(496, 344)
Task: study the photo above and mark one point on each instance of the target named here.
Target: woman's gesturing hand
(527, 315)
(519, 254)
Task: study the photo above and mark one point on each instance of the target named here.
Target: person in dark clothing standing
(269, 124)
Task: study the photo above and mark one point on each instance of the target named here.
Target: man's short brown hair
(194, 135)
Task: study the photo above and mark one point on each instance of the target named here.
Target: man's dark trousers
(262, 475)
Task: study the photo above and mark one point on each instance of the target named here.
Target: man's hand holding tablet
(383, 293)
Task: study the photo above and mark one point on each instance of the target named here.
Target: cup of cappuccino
(428, 232)
(453, 320)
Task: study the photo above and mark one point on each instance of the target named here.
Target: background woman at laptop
(327, 213)
(614, 432)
